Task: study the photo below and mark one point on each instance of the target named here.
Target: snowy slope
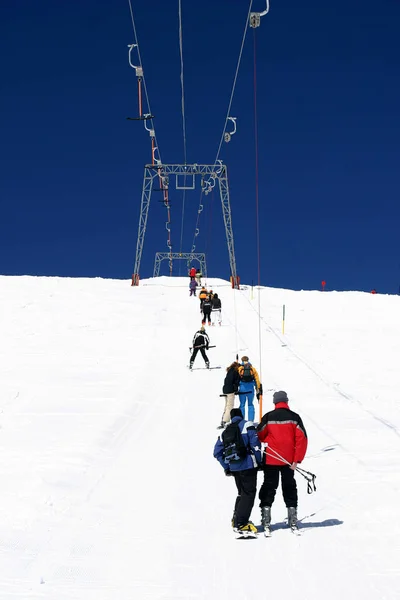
(109, 487)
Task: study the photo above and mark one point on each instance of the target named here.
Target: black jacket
(200, 339)
(231, 383)
(216, 303)
(207, 306)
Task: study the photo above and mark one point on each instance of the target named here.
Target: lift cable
(257, 198)
(227, 118)
(148, 117)
(183, 117)
(254, 22)
(208, 186)
(182, 81)
(149, 114)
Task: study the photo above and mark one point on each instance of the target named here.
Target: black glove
(228, 473)
(258, 395)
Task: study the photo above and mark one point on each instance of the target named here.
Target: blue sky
(328, 125)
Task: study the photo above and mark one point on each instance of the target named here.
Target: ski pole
(191, 348)
(309, 477)
(236, 394)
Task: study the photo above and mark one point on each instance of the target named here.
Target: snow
(109, 489)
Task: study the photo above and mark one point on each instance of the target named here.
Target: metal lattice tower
(185, 174)
(188, 256)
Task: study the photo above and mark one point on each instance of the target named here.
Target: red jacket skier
(286, 438)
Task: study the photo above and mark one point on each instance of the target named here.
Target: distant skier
(238, 450)
(249, 380)
(284, 432)
(230, 388)
(216, 307)
(201, 341)
(198, 277)
(192, 287)
(192, 273)
(207, 306)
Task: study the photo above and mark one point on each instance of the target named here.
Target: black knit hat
(280, 397)
(236, 412)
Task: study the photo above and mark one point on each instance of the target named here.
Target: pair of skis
(249, 535)
(293, 528)
(204, 368)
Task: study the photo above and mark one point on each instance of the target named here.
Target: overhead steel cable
(183, 113)
(234, 82)
(143, 77)
(209, 183)
(154, 142)
(182, 81)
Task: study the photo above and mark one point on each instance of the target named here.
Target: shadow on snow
(308, 525)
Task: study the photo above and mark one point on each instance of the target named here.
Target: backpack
(247, 374)
(235, 449)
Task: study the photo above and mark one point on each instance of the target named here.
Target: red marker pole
(323, 283)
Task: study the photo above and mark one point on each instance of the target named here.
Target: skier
(216, 310)
(248, 380)
(198, 277)
(207, 306)
(192, 273)
(230, 388)
(200, 341)
(203, 295)
(284, 432)
(238, 450)
(192, 287)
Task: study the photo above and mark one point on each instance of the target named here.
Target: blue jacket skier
(238, 451)
(249, 380)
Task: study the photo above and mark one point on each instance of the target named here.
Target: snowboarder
(284, 432)
(248, 380)
(238, 450)
(230, 388)
(192, 287)
(200, 341)
(207, 306)
(216, 310)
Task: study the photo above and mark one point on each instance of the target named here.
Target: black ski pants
(271, 482)
(206, 316)
(203, 353)
(246, 483)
